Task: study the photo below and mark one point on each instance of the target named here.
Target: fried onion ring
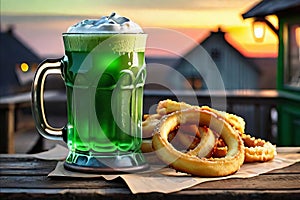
(204, 147)
(209, 167)
(149, 124)
(256, 150)
(219, 150)
(188, 141)
(235, 121)
(168, 106)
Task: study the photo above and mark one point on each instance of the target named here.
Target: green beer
(104, 73)
(104, 76)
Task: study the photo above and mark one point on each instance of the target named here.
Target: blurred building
(267, 68)
(17, 64)
(209, 65)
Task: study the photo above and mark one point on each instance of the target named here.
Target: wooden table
(24, 177)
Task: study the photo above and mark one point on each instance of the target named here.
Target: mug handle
(48, 66)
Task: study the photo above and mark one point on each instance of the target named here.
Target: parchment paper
(166, 180)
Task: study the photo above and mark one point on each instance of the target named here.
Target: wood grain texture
(26, 178)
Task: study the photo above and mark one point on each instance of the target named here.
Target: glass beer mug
(104, 75)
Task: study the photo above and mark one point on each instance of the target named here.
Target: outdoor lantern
(297, 30)
(259, 29)
(297, 33)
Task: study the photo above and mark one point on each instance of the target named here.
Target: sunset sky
(176, 25)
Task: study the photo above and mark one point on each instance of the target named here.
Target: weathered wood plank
(27, 162)
(264, 182)
(112, 193)
(27, 165)
(24, 177)
(106, 194)
(44, 182)
(293, 169)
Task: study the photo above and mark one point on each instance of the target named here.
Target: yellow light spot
(259, 30)
(24, 67)
(297, 31)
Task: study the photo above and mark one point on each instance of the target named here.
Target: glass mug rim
(108, 34)
(118, 42)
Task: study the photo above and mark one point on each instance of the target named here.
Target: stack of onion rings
(200, 153)
(189, 162)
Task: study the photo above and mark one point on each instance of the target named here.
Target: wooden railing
(257, 107)
(9, 107)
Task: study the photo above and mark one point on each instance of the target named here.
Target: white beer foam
(106, 24)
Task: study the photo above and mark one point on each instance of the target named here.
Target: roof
(221, 34)
(270, 7)
(12, 48)
(12, 52)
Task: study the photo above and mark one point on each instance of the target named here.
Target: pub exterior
(288, 67)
